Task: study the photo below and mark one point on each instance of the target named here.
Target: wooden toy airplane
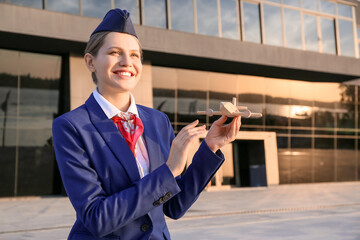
(231, 109)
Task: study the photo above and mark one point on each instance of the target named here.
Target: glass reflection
(273, 28)
(28, 3)
(27, 114)
(155, 13)
(346, 162)
(95, 8)
(344, 10)
(324, 143)
(310, 4)
(189, 102)
(66, 6)
(229, 16)
(207, 17)
(311, 33)
(301, 171)
(324, 165)
(346, 38)
(275, 1)
(164, 101)
(295, 3)
(182, 15)
(328, 36)
(251, 19)
(346, 107)
(328, 7)
(131, 6)
(292, 28)
(300, 142)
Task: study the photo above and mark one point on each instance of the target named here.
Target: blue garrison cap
(116, 20)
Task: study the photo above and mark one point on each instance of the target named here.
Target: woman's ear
(89, 60)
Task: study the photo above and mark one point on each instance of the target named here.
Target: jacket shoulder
(77, 115)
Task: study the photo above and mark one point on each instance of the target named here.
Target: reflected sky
(292, 28)
(28, 3)
(328, 7)
(182, 15)
(251, 18)
(131, 6)
(155, 13)
(13, 62)
(344, 10)
(311, 33)
(273, 28)
(207, 17)
(95, 8)
(310, 4)
(295, 3)
(67, 6)
(346, 38)
(328, 36)
(229, 19)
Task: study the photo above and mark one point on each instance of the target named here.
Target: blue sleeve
(204, 165)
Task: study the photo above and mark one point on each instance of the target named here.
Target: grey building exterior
(296, 61)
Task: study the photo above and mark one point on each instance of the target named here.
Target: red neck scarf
(130, 127)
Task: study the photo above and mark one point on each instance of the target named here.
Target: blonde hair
(95, 43)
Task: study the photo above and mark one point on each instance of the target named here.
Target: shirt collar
(109, 109)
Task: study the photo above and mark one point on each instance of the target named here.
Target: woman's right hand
(180, 147)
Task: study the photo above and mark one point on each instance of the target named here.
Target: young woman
(120, 162)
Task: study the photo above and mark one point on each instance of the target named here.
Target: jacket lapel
(156, 157)
(113, 138)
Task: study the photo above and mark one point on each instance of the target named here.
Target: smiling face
(117, 65)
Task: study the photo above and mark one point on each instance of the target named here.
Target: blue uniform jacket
(102, 180)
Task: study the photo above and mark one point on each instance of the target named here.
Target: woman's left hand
(220, 135)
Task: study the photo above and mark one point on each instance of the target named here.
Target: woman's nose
(125, 60)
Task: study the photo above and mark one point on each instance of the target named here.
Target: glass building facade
(29, 93)
(316, 123)
(312, 25)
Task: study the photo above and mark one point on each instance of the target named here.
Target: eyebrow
(122, 48)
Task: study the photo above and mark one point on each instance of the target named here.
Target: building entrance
(249, 163)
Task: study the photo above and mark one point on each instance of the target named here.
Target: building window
(358, 40)
(66, 6)
(251, 22)
(311, 33)
(131, 6)
(95, 8)
(328, 35)
(28, 3)
(29, 93)
(346, 35)
(310, 4)
(182, 15)
(273, 25)
(229, 19)
(292, 22)
(207, 17)
(328, 7)
(295, 3)
(154, 13)
(344, 10)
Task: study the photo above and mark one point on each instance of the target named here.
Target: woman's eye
(135, 55)
(114, 52)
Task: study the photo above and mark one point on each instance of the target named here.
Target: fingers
(221, 120)
(191, 125)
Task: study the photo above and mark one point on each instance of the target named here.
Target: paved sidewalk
(301, 211)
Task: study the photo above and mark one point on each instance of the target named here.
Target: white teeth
(125, 74)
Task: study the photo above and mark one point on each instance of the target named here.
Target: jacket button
(167, 196)
(156, 203)
(144, 227)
